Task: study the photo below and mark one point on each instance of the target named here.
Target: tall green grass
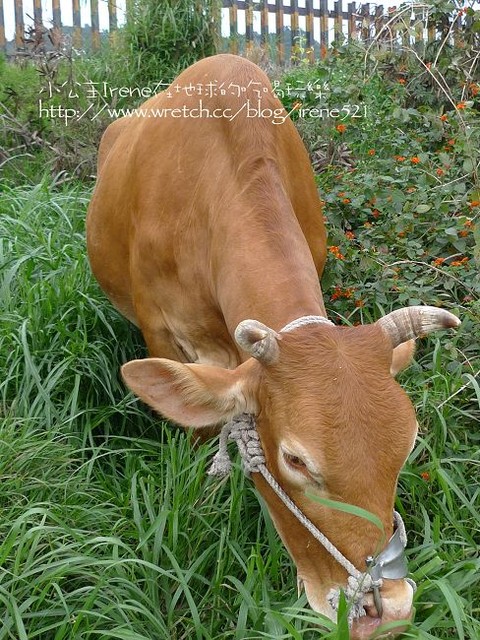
(109, 527)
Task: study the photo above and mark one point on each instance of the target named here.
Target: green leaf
(451, 231)
(343, 631)
(423, 208)
(349, 508)
(455, 604)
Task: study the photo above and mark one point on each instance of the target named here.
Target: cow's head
(333, 423)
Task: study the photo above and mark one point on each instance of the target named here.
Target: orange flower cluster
(474, 89)
(401, 80)
(338, 293)
(336, 253)
(349, 235)
(399, 158)
(438, 262)
(440, 172)
(459, 263)
(474, 203)
(371, 152)
(425, 476)
(444, 117)
(375, 213)
(346, 201)
(341, 128)
(415, 160)
(461, 105)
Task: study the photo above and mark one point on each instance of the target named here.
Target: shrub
(163, 38)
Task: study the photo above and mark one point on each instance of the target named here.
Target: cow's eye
(294, 461)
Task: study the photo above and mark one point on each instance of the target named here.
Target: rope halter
(390, 563)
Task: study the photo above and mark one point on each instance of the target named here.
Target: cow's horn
(258, 340)
(413, 322)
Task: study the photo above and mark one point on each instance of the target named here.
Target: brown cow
(206, 214)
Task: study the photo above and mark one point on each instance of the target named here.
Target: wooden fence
(313, 27)
(38, 33)
(303, 28)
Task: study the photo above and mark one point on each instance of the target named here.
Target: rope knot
(357, 587)
(243, 431)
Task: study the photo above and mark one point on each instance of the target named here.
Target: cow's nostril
(371, 611)
(369, 606)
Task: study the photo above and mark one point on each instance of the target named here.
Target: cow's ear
(402, 356)
(193, 395)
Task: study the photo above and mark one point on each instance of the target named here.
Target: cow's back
(170, 180)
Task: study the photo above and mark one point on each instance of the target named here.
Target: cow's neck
(265, 268)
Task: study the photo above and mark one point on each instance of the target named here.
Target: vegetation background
(109, 527)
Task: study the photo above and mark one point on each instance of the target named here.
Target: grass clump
(109, 528)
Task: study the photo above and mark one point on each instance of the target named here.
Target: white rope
(243, 430)
(303, 321)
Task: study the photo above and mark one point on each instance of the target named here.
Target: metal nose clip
(391, 563)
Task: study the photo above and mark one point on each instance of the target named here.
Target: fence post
(3, 42)
(249, 25)
(37, 14)
(418, 26)
(77, 24)
(309, 30)
(112, 20)
(56, 14)
(280, 34)
(264, 24)
(323, 28)
(338, 22)
(233, 11)
(366, 23)
(19, 24)
(431, 29)
(379, 21)
(406, 31)
(95, 30)
(352, 23)
(294, 33)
